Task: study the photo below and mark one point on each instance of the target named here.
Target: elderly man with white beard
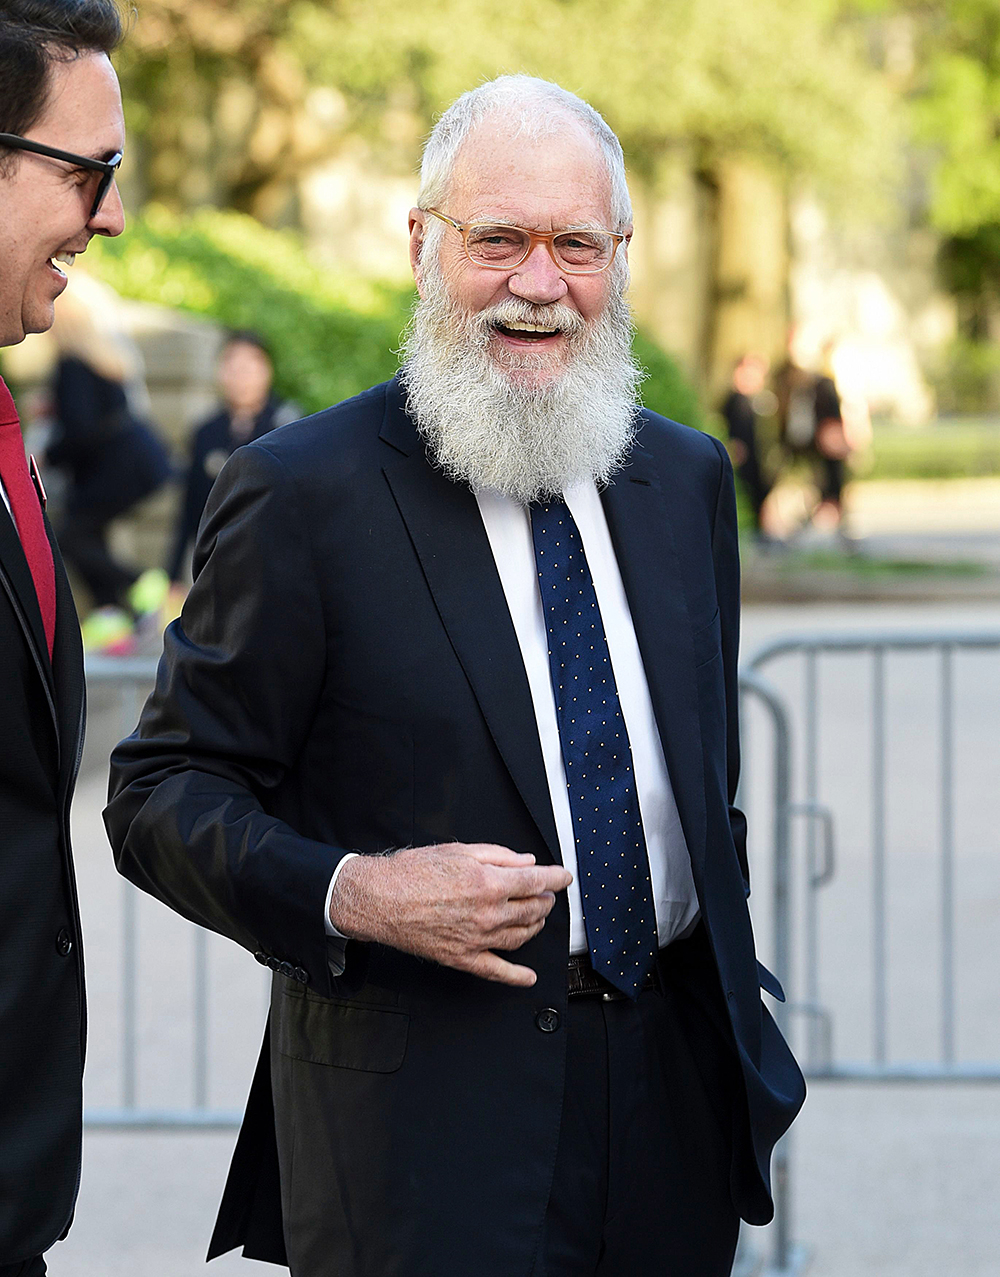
(446, 736)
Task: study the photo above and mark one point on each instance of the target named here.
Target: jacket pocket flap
(345, 1035)
(770, 983)
(707, 640)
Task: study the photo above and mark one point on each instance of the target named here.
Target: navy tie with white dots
(611, 857)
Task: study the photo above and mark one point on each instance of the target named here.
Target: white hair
(531, 108)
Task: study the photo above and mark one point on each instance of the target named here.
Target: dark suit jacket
(42, 1018)
(214, 436)
(346, 676)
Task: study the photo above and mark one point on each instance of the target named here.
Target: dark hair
(247, 337)
(35, 33)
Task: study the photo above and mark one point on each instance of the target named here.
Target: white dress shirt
(508, 527)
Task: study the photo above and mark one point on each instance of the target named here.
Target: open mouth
(66, 258)
(515, 330)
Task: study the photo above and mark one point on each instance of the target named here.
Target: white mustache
(514, 311)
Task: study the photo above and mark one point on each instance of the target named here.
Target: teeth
(518, 327)
(68, 258)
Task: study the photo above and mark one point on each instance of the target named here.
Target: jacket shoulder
(669, 439)
(335, 435)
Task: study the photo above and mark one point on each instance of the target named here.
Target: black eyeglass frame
(107, 168)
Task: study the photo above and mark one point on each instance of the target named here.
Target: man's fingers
(488, 853)
(536, 881)
(490, 967)
(521, 876)
(525, 913)
(514, 937)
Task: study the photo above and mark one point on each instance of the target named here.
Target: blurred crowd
(793, 424)
(104, 456)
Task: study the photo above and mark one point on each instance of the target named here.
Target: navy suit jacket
(346, 676)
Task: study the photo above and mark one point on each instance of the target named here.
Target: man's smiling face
(45, 204)
(549, 184)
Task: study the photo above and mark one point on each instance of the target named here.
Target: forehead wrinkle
(522, 226)
(562, 173)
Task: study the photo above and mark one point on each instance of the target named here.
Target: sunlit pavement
(932, 519)
(888, 1181)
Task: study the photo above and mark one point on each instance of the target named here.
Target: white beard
(486, 426)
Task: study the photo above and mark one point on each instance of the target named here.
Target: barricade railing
(872, 731)
(130, 680)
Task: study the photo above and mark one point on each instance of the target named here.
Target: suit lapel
(642, 532)
(444, 524)
(18, 583)
(62, 677)
(18, 574)
(67, 673)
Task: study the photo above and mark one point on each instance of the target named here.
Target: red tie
(27, 510)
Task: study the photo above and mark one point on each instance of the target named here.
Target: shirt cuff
(331, 930)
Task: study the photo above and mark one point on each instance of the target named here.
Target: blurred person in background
(749, 375)
(249, 409)
(112, 461)
(812, 427)
(61, 139)
(516, 1026)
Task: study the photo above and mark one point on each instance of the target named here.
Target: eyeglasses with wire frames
(497, 246)
(107, 168)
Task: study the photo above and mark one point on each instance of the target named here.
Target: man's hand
(454, 903)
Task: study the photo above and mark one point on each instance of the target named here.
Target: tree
(233, 98)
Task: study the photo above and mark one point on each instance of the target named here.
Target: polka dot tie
(612, 863)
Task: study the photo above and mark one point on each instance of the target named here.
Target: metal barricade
(129, 680)
(872, 733)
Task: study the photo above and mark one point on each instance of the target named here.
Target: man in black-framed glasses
(61, 140)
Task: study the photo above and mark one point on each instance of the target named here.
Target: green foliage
(782, 79)
(868, 568)
(333, 335)
(229, 98)
(969, 263)
(957, 108)
(966, 377)
(951, 450)
(666, 389)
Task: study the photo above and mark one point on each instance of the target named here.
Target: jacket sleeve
(236, 692)
(726, 557)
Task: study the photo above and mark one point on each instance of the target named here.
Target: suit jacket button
(261, 957)
(302, 975)
(64, 944)
(547, 1019)
(274, 964)
(287, 970)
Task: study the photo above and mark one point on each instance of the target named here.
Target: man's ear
(628, 241)
(418, 222)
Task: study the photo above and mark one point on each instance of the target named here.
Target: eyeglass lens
(508, 246)
(102, 189)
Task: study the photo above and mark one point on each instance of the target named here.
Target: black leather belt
(585, 982)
